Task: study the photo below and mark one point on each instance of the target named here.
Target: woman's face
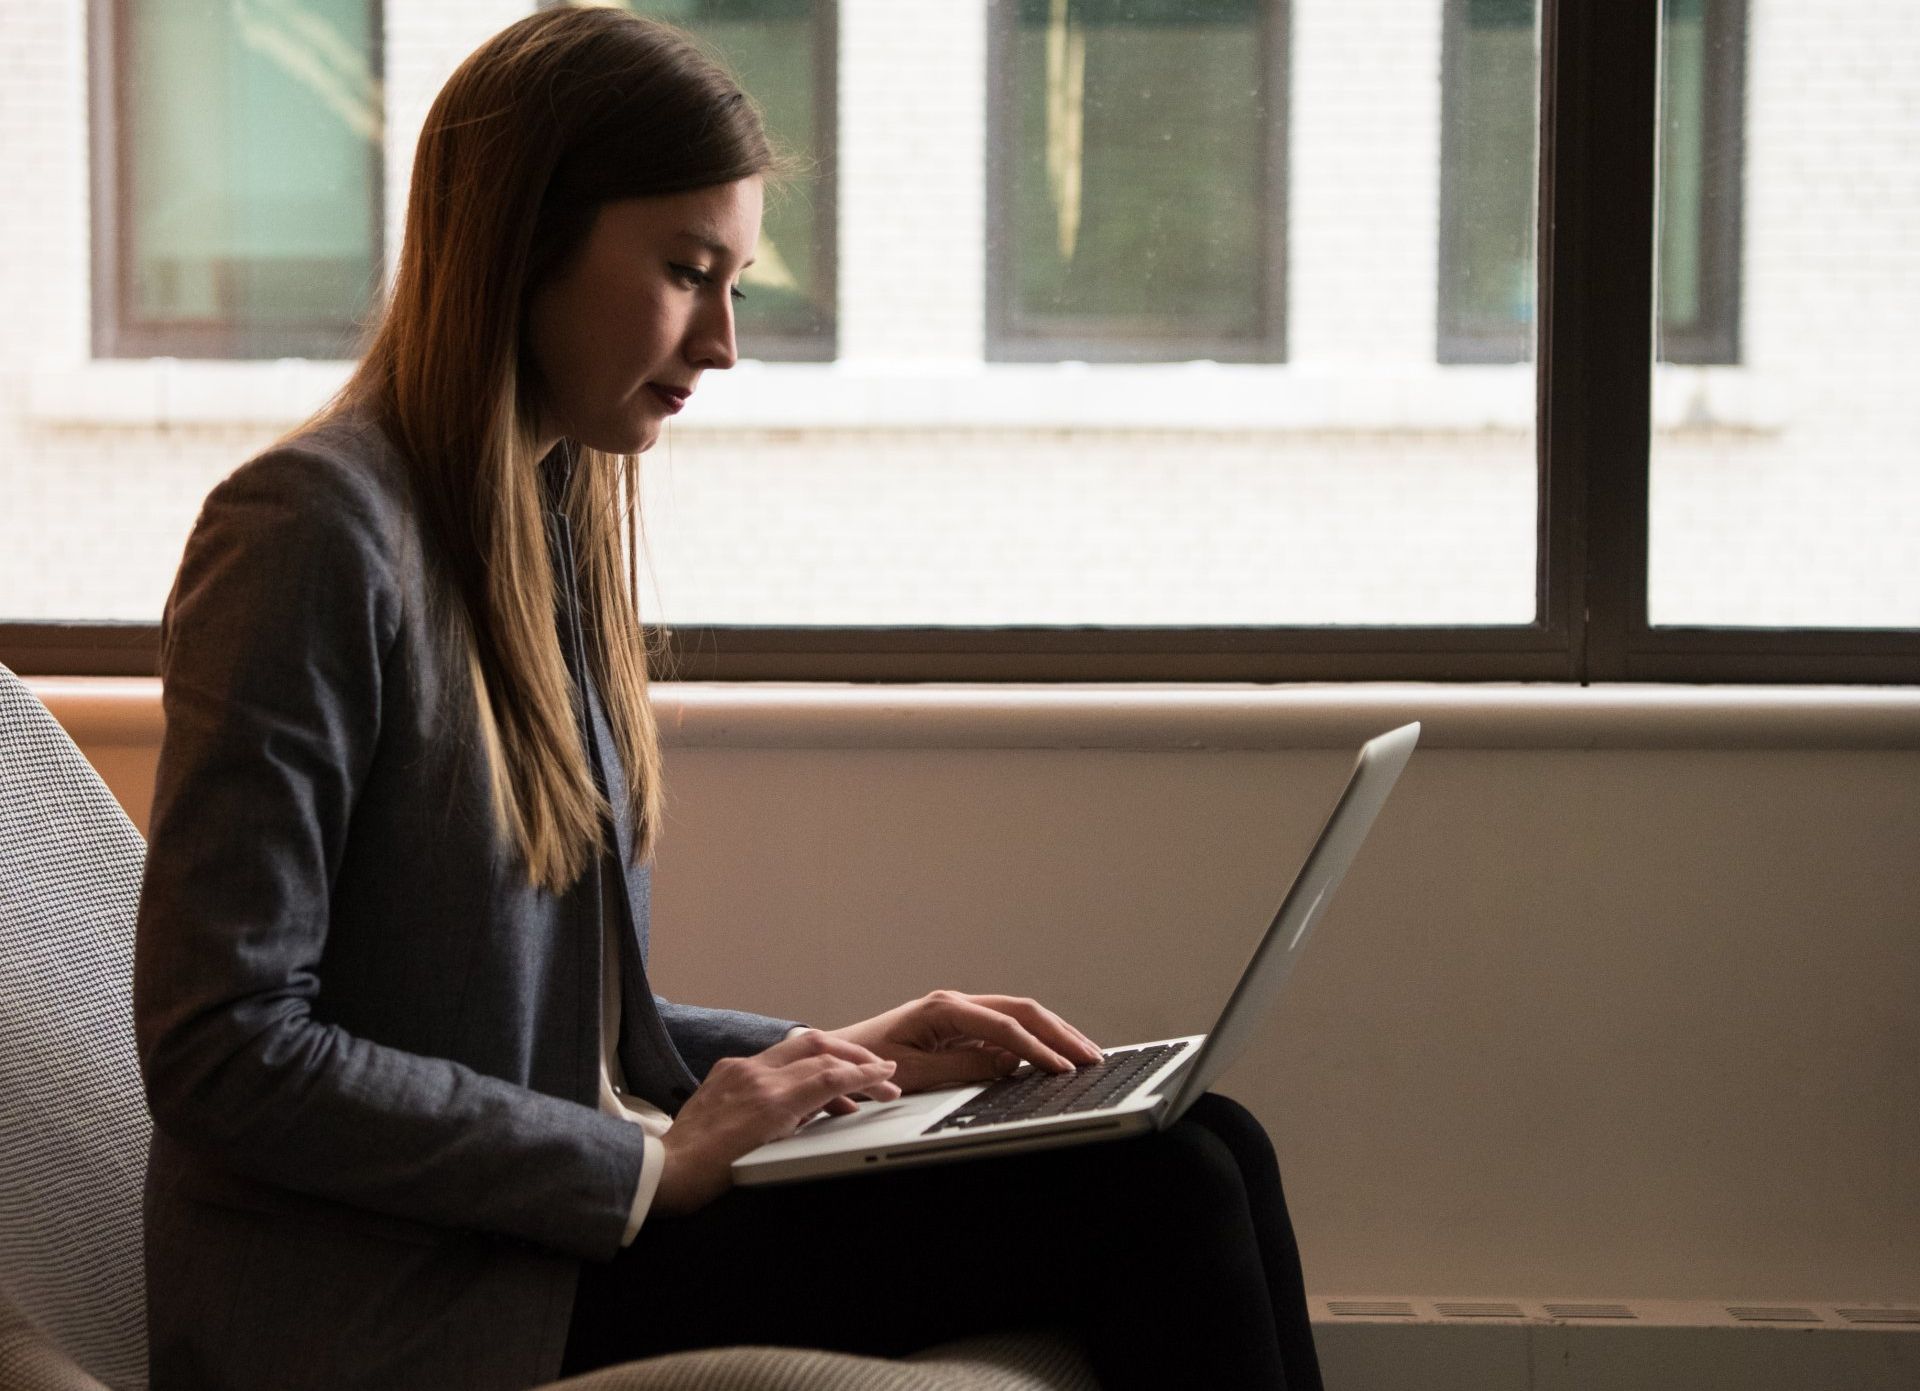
(622, 335)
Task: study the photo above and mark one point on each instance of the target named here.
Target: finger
(997, 1027)
(816, 1043)
(811, 1084)
(951, 1067)
(1044, 1024)
(839, 1106)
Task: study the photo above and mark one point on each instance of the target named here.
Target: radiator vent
(1879, 1315)
(1371, 1308)
(1455, 1309)
(1770, 1313)
(1588, 1311)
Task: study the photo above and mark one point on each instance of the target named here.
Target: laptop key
(1029, 1094)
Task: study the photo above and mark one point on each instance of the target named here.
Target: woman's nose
(713, 343)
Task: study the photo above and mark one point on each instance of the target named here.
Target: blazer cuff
(653, 1162)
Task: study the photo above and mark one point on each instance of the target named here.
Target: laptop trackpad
(889, 1113)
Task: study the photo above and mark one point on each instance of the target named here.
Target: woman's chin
(628, 437)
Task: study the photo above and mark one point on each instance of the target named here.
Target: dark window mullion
(1597, 320)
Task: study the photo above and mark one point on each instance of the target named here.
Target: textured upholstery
(1002, 1362)
(73, 1123)
(29, 1361)
(998, 1362)
(74, 1127)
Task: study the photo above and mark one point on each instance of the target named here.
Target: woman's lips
(669, 396)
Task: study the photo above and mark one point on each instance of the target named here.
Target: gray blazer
(370, 1048)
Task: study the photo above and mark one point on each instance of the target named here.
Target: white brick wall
(1363, 205)
(1359, 481)
(912, 179)
(425, 41)
(43, 187)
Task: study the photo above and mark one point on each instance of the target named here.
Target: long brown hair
(556, 115)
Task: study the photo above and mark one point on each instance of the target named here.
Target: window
(1609, 497)
(1488, 198)
(784, 54)
(1137, 213)
(209, 242)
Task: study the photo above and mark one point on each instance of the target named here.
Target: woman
(420, 1120)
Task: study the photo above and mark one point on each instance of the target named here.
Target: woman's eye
(738, 294)
(695, 278)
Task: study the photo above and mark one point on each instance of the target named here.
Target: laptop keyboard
(1029, 1092)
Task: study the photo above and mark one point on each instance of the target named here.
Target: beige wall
(1619, 1004)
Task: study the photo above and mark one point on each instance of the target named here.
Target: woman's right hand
(745, 1102)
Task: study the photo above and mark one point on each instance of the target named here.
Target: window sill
(1200, 718)
(1207, 397)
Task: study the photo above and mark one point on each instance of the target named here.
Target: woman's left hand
(946, 1038)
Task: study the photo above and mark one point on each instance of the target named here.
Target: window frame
(1594, 382)
(118, 332)
(1007, 342)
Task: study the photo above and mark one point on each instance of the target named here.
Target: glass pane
(1702, 71)
(1487, 274)
(1682, 163)
(1784, 491)
(771, 46)
(1137, 195)
(228, 235)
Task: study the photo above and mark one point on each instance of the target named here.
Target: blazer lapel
(653, 1066)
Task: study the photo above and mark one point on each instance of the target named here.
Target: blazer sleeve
(273, 649)
(704, 1035)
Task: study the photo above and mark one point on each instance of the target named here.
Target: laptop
(1140, 1087)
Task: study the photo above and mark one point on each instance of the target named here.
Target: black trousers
(1170, 1257)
